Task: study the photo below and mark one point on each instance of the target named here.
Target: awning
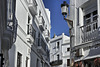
(93, 53)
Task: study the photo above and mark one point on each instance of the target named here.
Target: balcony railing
(33, 7)
(41, 23)
(30, 33)
(47, 35)
(56, 62)
(90, 32)
(41, 45)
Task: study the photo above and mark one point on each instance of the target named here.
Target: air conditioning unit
(30, 38)
(81, 52)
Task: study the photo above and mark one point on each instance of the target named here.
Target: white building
(86, 27)
(31, 48)
(8, 28)
(60, 51)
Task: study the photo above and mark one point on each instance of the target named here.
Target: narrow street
(50, 33)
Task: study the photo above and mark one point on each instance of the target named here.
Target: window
(27, 61)
(68, 62)
(90, 18)
(37, 63)
(68, 49)
(19, 59)
(30, 29)
(29, 19)
(95, 15)
(28, 26)
(58, 45)
(10, 14)
(39, 13)
(58, 57)
(38, 39)
(10, 9)
(42, 63)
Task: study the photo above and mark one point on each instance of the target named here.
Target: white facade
(86, 29)
(8, 27)
(60, 51)
(31, 48)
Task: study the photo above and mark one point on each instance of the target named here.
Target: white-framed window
(19, 59)
(30, 30)
(90, 18)
(10, 9)
(68, 49)
(68, 62)
(58, 56)
(27, 61)
(10, 14)
(58, 44)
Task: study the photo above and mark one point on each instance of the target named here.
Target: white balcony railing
(56, 62)
(33, 7)
(90, 32)
(41, 45)
(47, 35)
(30, 33)
(41, 23)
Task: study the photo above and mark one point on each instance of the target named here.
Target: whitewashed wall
(21, 45)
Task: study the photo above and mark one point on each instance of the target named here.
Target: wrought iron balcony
(30, 33)
(47, 35)
(33, 7)
(41, 46)
(56, 62)
(41, 23)
(90, 32)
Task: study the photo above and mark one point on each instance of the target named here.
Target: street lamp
(64, 9)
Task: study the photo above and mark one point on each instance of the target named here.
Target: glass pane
(95, 12)
(88, 21)
(88, 15)
(88, 28)
(94, 18)
(94, 26)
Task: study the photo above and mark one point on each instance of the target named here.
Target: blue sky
(58, 24)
